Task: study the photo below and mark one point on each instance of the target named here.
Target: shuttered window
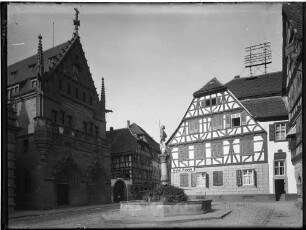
(217, 149)
(271, 132)
(183, 153)
(239, 178)
(218, 178)
(217, 122)
(193, 126)
(243, 118)
(199, 151)
(247, 146)
(228, 121)
(184, 180)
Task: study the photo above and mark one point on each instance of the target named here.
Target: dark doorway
(279, 189)
(119, 189)
(62, 194)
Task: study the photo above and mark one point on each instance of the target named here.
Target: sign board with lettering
(187, 169)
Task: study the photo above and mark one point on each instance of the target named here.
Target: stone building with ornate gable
(62, 156)
(135, 163)
(224, 146)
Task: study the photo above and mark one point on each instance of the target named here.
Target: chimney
(128, 123)
(111, 129)
(237, 77)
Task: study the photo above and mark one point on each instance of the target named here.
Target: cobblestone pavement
(242, 215)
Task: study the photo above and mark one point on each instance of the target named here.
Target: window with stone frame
(193, 126)
(279, 168)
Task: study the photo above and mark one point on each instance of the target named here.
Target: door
(62, 194)
(119, 189)
(279, 188)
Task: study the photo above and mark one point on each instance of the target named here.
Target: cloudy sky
(152, 56)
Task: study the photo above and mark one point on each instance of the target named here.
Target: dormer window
(34, 83)
(31, 67)
(13, 74)
(51, 58)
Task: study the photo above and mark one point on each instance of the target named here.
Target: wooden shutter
(214, 149)
(247, 146)
(255, 178)
(207, 180)
(239, 178)
(220, 178)
(193, 180)
(271, 132)
(220, 149)
(184, 180)
(199, 151)
(220, 121)
(243, 118)
(215, 178)
(183, 153)
(228, 121)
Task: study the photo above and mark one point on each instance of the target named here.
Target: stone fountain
(144, 209)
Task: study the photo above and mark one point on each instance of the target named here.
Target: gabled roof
(258, 86)
(124, 140)
(210, 87)
(267, 108)
(22, 70)
(294, 12)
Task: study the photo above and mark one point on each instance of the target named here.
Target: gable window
(54, 115)
(193, 126)
(235, 118)
(184, 180)
(211, 102)
(217, 122)
(31, 67)
(277, 132)
(13, 73)
(218, 178)
(279, 168)
(280, 131)
(34, 83)
(207, 102)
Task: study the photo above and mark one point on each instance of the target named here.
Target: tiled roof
(23, 72)
(136, 129)
(258, 86)
(266, 108)
(294, 12)
(210, 87)
(122, 140)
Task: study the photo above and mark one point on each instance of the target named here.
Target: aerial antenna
(53, 36)
(257, 56)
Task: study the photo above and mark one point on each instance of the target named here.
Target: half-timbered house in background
(292, 83)
(62, 157)
(134, 161)
(220, 149)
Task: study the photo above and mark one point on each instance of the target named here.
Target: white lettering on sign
(189, 169)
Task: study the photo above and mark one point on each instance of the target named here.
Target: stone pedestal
(163, 165)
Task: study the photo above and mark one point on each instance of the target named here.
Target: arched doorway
(119, 190)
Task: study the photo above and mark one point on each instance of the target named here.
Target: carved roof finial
(76, 22)
(40, 57)
(103, 93)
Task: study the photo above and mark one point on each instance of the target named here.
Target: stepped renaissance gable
(220, 148)
(62, 155)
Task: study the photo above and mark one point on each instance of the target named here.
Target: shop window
(218, 178)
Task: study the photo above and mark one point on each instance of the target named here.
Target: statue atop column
(163, 156)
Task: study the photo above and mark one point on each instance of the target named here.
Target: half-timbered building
(62, 157)
(134, 161)
(292, 83)
(262, 96)
(220, 149)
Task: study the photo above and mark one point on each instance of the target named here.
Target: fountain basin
(163, 209)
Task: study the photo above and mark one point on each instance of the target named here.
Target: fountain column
(163, 157)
